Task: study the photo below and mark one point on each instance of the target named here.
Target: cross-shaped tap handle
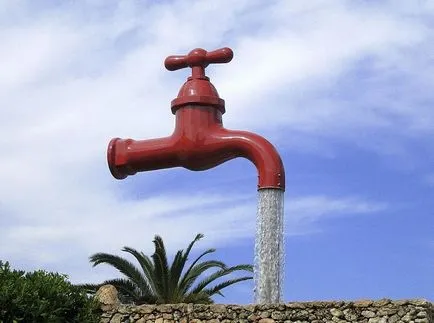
(198, 59)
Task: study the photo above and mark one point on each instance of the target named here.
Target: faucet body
(199, 141)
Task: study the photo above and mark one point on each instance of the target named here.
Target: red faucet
(199, 141)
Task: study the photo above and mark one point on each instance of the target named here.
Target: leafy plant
(157, 282)
(42, 296)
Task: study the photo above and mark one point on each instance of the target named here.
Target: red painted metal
(199, 141)
(198, 89)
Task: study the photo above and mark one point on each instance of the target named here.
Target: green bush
(42, 296)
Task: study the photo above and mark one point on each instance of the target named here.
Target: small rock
(218, 308)
(249, 308)
(419, 302)
(107, 296)
(165, 308)
(336, 312)
(189, 308)
(146, 309)
(264, 314)
(123, 310)
(421, 315)
(277, 315)
(294, 305)
(362, 303)
(387, 311)
(377, 320)
(368, 314)
(401, 312)
(252, 317)
(117, 318)
(266, 321)
(381, 302)
(350, 316)
(167, 316)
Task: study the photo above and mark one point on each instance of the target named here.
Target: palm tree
(155, 282)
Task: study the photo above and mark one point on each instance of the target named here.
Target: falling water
(269, 247)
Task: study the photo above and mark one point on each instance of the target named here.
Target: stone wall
(381, 311)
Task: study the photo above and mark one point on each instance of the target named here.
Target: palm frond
(123, 285)
(218, 274)
(161, 267)
(196, 271)
(180, 261)
(199, 298)
(190, 246)
(175, 273)
(193, 264)
(124, 266)
(217, 288)
(146, 265)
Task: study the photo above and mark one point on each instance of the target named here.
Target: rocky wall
(382, 311)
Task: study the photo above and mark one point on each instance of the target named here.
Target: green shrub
(42, 296)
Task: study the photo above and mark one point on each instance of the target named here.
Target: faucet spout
(127, 156)
(271, 172)
(199, 142)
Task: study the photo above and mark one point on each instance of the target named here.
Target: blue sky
(342, 88)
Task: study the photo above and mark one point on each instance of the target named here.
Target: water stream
(269, 247)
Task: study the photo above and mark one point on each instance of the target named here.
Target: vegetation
(42, 296)
(157, 282)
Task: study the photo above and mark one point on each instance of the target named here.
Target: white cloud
(54, 238)
(73, 77)
(304, 50)
(305, 213)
